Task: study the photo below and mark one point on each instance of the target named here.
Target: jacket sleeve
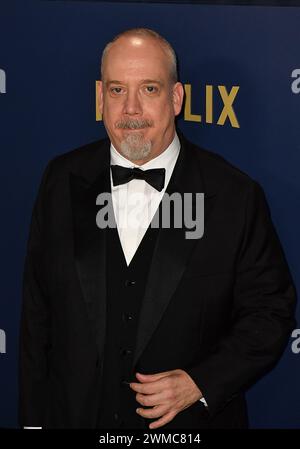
(34, 334)
(264, 299)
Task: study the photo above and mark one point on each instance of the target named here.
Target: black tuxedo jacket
(220, 307)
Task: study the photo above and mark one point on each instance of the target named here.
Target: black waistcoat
(125, 289)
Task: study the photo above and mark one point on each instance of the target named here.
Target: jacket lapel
(172, 249)
(90, 240)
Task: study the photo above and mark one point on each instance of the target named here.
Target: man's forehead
(136, 70)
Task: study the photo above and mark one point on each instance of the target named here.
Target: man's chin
(135, 151)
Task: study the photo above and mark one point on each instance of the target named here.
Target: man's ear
(100, 96)
(178, 95)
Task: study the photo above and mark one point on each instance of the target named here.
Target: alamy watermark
(2, 82)
(296, 343)
(295, 86)
(2, 342)
(175, 210)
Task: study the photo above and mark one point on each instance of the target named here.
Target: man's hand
(168, 392)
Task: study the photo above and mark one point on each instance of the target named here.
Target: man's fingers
(154, 412)
(165, 396)
(150, 383)
(152, 377)
(148, 388)
(162, 421)
(149, 400)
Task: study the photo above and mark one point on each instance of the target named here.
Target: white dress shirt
(136, 202)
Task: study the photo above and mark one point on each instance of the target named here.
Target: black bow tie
(154, 176)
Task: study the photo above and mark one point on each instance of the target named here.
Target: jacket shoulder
(218, 172)
(85, 161)
(80, 155)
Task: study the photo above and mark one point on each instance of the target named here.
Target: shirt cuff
(204, 402)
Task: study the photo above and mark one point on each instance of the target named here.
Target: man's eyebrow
(113, 82)
(146, 81)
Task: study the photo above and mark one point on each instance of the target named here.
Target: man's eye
(151, 89)
(116, 90)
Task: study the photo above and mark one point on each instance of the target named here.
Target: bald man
(128, 324)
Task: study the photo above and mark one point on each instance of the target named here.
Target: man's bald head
(146, 34)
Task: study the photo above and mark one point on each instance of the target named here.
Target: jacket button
(125, 351)
(116, 416)
(127, 317)
(129, 283)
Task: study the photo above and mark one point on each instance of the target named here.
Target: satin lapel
(171, 252)
(90, 248)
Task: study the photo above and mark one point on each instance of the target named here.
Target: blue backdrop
(49, 63)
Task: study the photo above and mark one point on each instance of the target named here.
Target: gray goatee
(134, 146)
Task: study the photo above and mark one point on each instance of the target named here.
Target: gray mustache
(134, 124)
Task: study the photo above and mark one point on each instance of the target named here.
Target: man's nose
(132, 105)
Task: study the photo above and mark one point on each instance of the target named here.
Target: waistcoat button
(127, 317)
(129, 283)
(125, 351)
